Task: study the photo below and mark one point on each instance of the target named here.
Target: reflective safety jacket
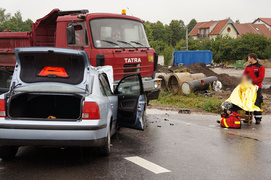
(232, 120)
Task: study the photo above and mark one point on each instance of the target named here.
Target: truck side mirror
(70, 34)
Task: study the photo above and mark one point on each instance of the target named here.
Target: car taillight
(91, 111)
(2, 108)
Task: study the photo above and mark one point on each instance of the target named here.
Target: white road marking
(147, 165)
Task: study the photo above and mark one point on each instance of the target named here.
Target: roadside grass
(209, 104)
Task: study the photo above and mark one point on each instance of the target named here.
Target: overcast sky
(151, 10)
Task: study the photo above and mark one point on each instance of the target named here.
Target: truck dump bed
(42, 34)
(9, 41)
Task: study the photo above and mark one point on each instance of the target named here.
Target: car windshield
(118, 33)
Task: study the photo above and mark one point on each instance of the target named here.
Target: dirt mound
(227, 81)
(267, 91)
(265, 63)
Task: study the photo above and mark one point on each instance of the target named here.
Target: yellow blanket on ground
(244, 96)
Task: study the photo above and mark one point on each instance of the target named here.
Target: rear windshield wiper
(124, 42)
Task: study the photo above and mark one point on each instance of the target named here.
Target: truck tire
(8, 152)
(105, 149)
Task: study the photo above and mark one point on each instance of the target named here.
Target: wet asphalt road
(190, 146)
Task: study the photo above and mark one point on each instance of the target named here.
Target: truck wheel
(8, 152)
(105, 149)
(147, 100)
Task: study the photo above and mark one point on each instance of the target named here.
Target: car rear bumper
(23, 134)
(56, 143)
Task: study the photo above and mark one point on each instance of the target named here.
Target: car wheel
(8, 152)
(105, 149)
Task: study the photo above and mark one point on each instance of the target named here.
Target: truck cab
(118, 40)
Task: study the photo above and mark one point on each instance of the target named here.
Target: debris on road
(184, 111)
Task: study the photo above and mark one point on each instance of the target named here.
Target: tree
(191, 25)
(15, 22)
(159, 31)
(148, 30)
(177, 31)
(4, 17)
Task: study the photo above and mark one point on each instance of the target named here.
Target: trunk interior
(44, 106)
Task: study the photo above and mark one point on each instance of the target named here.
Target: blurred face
(244, 79)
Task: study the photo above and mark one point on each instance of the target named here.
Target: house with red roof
(253, 28)
(212, 29)
(265, 21)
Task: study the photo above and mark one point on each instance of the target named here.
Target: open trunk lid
(55, 67)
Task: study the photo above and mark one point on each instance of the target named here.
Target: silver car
(57, 98)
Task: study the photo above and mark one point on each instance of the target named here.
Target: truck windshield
(118, 33)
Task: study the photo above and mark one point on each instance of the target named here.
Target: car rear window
(51, 67)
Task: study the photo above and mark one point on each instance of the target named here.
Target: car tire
(105, 149)
(8, 152)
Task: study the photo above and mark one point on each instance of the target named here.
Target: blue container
(190, 57)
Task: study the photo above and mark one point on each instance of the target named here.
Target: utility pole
(186, 37)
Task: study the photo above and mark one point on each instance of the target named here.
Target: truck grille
(128, 68)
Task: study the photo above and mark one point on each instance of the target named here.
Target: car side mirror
(70, 34)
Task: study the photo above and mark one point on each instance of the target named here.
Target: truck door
(131, 102)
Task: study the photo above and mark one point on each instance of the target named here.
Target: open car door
(131, 102)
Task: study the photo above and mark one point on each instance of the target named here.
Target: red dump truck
(118, 40)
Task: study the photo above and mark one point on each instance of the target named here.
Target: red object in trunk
(57, 71)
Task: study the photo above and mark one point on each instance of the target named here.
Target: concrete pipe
(164, 81)
(158, 74)
(189, 87)
(175, 81)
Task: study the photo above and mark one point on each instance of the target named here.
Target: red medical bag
(232, 120)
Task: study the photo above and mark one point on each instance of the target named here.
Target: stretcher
(246, 116)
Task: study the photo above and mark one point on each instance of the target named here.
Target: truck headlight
(155, 85)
